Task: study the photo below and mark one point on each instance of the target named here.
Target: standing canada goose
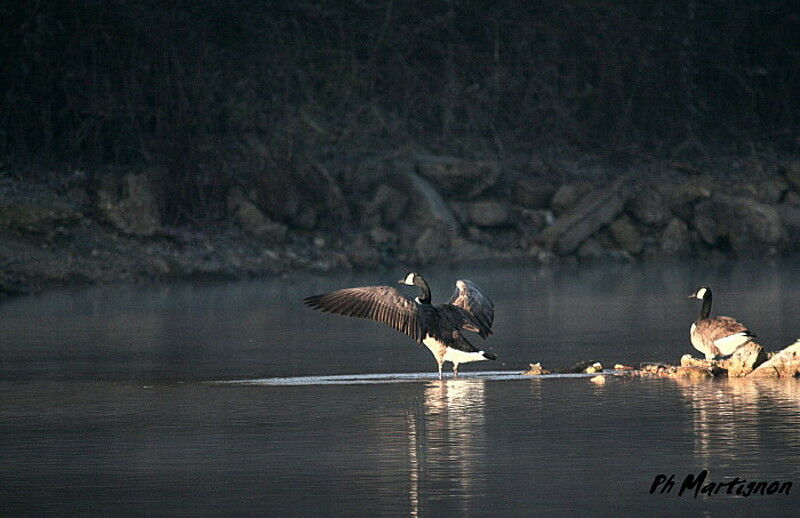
(438, 327)
(716, 336)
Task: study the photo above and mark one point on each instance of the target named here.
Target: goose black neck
(425, 291)
(706, 309)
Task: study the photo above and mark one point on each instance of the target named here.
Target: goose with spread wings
(439, 328)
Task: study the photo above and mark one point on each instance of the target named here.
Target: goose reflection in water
(730, 418)
(446, 444)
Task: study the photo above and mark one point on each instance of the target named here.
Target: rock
(693, 373)
(389, 203)
(770, 190)
(740, 363)
(744, 360)
(381, 236)
(487, 213)
(751, 228)
(535, 370)
(532, 193)
(129, 204)
(362, 255)
(567, 196)
(305, 217)
(681, 199)
(626, 235)
(595, 210)
(621, 367)
(650, 207)
(252, 221)
(431, 245)
(791, 198)
(591, 249)
(599, 380)
(790, 218)
(784, 364)
(427, 207)
(532, 221)
(793, 175)
(459, 177)
(676, 240)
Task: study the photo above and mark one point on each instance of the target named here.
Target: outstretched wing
(471, 299)
(379, 303)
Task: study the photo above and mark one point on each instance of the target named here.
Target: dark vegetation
(208, 95)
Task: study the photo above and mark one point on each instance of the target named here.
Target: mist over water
(110, 401)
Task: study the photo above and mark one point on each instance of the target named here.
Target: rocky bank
(69, 227)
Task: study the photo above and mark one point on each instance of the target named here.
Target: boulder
(594, 211)
(389, 203)
(740, 363)
(252, 221)
(793, 175)
(676, 240)
(784, 364)
(532, 193)
(432, 244)
(426, 205)
(650, 207)
(129, 204)
(362, 255)
(744, 360)
(487, 213)
(567, 196)
(460, 178)
(751, 228)
(626, 235)
(790, 218)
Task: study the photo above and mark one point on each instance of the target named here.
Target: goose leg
(440, 370)
(455, 370)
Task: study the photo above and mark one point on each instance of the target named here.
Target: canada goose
(716, 336)
(438, 327)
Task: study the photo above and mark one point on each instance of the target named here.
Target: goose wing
(379, 303)
(477, 304)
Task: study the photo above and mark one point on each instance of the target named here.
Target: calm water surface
(110, 400)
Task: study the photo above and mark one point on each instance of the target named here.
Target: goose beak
(692, 296)
(401, 281)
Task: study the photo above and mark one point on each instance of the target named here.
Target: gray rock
(532, 193)
(427, 207)
(591, 249)
(567, 196)
(751, 228)
(793, 175)
(488, 213)
(362, 255)
(389, 203)
(784, 364)
(594, 211)
(254, 222)
(129, 204)
(459, 177)
(432, 244)
(676, 240)
(650, 207)
(790, 218)
(626, 235)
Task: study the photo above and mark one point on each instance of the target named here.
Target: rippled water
(163, 400)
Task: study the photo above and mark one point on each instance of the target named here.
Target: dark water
(109, 401)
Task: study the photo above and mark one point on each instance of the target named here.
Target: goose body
(439, 327)
(716, 336)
